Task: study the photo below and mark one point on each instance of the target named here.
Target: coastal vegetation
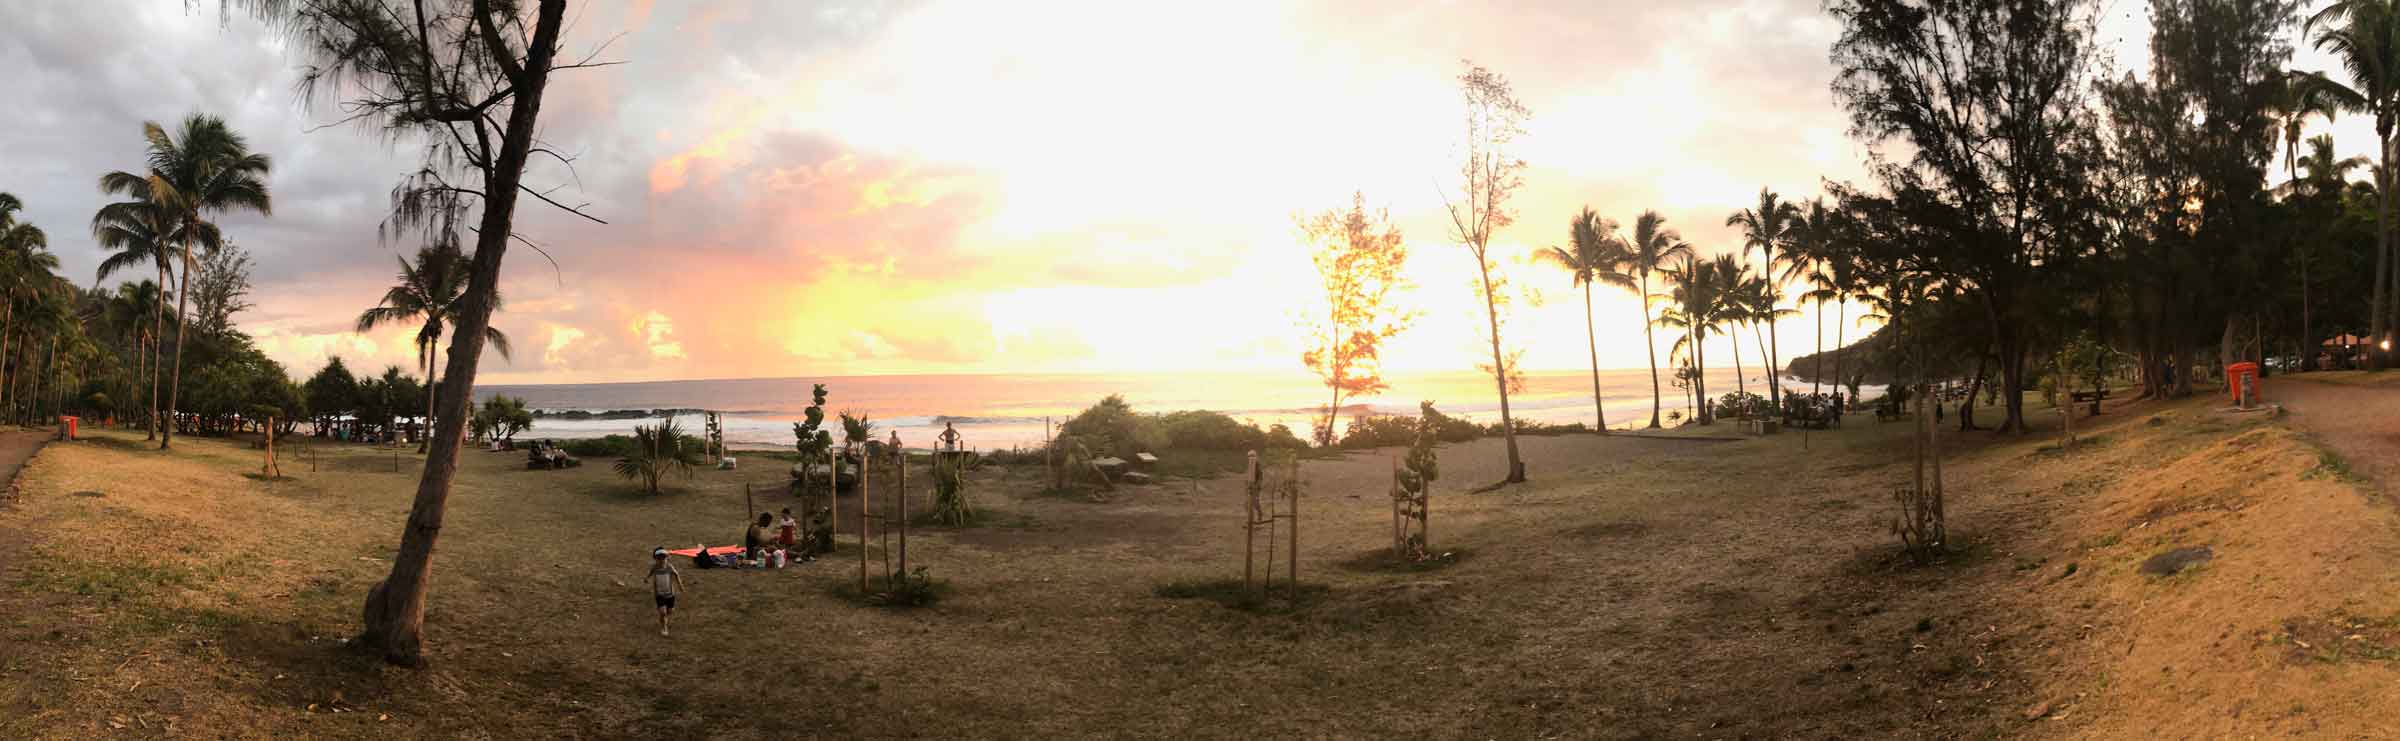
(658, 451)
(1359, 257)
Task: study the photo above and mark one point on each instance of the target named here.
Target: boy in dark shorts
(665, 582)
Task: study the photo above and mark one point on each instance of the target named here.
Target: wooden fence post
(864, 503)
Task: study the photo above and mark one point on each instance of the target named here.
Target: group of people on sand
(773, 542)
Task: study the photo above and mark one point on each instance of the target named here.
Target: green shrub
(1377, 431)
(1743, 404)
(1203, 430)
(1539, 429)
(1384, 430)
(617, 446)
(1112, 427)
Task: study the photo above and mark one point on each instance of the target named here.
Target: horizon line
(955, 374)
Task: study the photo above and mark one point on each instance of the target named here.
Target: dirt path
(2359, 421)
(17, 447)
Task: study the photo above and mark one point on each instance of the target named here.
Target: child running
(665, 581)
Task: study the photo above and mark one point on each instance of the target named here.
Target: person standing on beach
(665, 582)
(950, 436)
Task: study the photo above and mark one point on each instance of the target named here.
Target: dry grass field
(1637, 588)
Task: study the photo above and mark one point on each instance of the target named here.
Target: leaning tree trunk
(2012, 377)
(1700, 379)
(1774, 359)
(1816, 371)
(158, 337)
(1591, 342)
(1966, 408)
(1841, 318)
(8, 318)
(166, 437)
(394, 614)
(1765, 350)
(1733, 338)
(435, 336)
(1508, 426)
(2380, 307)
(1650, 345)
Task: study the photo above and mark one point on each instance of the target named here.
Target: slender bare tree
(1490, 176)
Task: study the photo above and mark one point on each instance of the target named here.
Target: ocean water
(1003, 411)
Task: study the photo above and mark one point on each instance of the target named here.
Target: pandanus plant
(657, 451)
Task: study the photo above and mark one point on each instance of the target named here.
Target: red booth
(2238, 374)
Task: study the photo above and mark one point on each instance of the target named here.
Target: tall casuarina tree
(1490, 176)
(465, 78)
(201, 169)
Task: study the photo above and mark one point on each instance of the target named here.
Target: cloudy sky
(806, 188)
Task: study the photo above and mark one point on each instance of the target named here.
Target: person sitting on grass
(755, 539)
(665, 582)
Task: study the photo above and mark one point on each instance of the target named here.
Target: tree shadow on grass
(1283, 598)
(1383, 561)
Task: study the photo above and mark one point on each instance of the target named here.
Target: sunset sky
(808, 188)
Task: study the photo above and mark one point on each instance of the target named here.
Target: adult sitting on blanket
(756, 538)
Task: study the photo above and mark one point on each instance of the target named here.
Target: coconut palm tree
(1595, 254)
(1754, 301)
(134, 309)
(2363, 36)
(2326, 174)
(1651, 248)
(203, 168)
(1731, 279)
(141, 231)
(1811, 240)
(1693, 302)
(2296, 99)
(428, 293)
(49, 317)
(1766, 228)
(25, 265)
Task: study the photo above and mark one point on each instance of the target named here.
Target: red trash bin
(69, 423)
(2235, 374)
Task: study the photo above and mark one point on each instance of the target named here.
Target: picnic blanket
(723, 550)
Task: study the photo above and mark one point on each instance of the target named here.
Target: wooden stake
(271, 471)
(833, 495)
(1250, 523)
(903, 455)
(1291, 577)
(864, 502)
